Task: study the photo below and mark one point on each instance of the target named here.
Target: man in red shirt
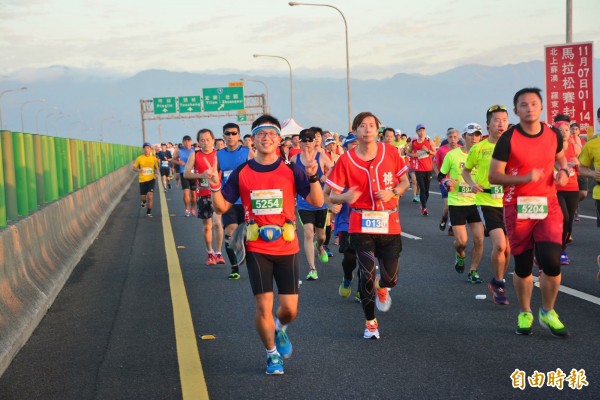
(422, 149)
(532, 214)
(370, 178)
(267, 187)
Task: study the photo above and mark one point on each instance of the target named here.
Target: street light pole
(4, 92)
(23, 105)
(294, 3)
(291, 80)
(56, 122)
(48, 116)
(266, 91)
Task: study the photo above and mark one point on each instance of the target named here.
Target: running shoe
(345, 287)
(358, 299)
(459, 265)
(564, 258)
(371, 330)
(329, 252)
(443, 223)
(498, 293)
(283, 344)
(424, 211)
(149, 215)
(570, 239)
(416, 199)
(383, 301)
(143, 204)
(549, 320)
(524, 323)
(169, 186)
(219, 258)
(210, 259)
(187, 213)
(312, 275)
(234, 276)
(322, 254)
(274, 365)
(193, 211)
(473, 277)
(450, 232)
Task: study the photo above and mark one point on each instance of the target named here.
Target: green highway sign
(189, 104)
(164, 105)
(242, 118)
(223, 99)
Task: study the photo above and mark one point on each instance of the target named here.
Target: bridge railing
(37, 169)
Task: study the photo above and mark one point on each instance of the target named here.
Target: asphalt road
(111, 332)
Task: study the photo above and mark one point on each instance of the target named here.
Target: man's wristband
(566, 171)
(215, 188)
(313, 178)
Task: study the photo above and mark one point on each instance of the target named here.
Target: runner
(188, 187)
(531, 211)
(228, 159)
(488, 199)
(146, 165)
(313, 219)
(198, 164)
(461, 203)
(438, 160)
(370, 178)
(164, 156)
(268, 188)
(568, 195)
(422, 149)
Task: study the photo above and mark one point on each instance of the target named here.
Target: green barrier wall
(37, 169)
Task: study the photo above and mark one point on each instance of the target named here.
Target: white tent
(290, 127)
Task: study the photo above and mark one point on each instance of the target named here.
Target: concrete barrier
(38, 253)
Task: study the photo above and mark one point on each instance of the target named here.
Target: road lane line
(572, 292)
(408, 235)
(193, 384)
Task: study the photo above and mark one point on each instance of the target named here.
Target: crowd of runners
(519, 185)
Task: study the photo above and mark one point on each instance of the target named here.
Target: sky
(386, 37)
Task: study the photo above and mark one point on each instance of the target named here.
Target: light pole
(23, 105)
(7, 91)
(37, 114)
(56, 122)
(266, 91)
(48, 116)
(294, 3)
(291, 81)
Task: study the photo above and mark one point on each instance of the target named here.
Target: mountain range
(104, 105)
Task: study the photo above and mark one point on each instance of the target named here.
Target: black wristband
(313, 178)
(565, 170)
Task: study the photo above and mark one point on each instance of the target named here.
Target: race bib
(497, 191)
(374, 222)
(267, 202)
(164, 164)
(147, 171)
(423, 154)
(203, 182)
(465, 190)
(532, 207)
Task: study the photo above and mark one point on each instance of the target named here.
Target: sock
(231, 256)
(149, 211)
(279, 326)
(272, 352)
(544, 312)
(211, 251)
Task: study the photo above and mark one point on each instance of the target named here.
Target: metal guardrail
(37, 169)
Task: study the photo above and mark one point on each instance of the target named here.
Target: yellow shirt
(148, 166)
(590, 156)
(480, 157)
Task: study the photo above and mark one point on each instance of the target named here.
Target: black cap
(307, 134)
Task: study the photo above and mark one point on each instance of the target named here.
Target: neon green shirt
(590, 156)
(461, 194)
(480, 157)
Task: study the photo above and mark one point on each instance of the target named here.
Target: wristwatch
(396, 194)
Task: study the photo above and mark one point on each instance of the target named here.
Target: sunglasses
(307, 140)
(496, 108)
(230, 133)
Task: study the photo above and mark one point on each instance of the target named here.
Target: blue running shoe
(274, 365)
(283, 344)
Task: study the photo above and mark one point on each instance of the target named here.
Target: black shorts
(263, 268)
(316, 217)
(383, 246)
(235, 215)
(146, 187)
(205, 207)
(492, 217)
(165, 171)
(344, 240)
(461, 215)
(187, 183)
(583, 182)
